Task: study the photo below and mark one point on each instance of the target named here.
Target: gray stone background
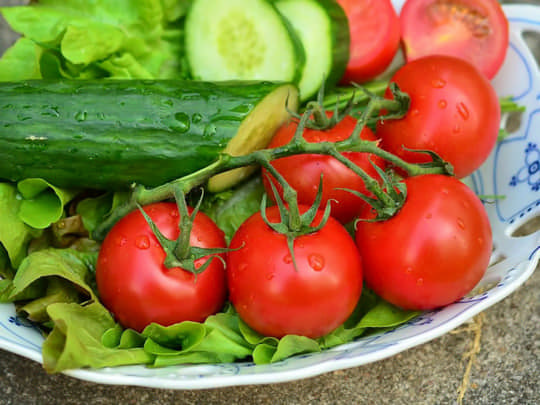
(505, 367)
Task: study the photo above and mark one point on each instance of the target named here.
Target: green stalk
(395, 109)
(341, 95)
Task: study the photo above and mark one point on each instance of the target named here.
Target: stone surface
(506, 368)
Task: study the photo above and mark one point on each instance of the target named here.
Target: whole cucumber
(110, 134)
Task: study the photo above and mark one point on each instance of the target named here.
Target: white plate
(512, 170)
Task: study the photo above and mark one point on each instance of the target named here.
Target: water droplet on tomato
(242, 267)
(480, 240)
(456, 129)
(270, 276)
(415, 112)
(438, 83)
(463, 111)
(287, 259)
(174, 213)
(316, 261)
(420, 281)
(142, 242)
(121, 241)
(443, 103)
(461, 223)
(429, 215)
(408, 270)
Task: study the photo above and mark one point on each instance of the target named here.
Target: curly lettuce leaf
(231, 208)
(21, 61)
(76, 340)
(174, 10)
(120, 39)
(93, 210)
(39, 267)
(218, 339)
(42, 204)
(86, 335)
(15, 235)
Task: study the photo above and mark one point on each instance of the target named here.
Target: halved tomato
(375, 38)
(475, 30)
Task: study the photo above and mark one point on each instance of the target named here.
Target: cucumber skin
(111, 134)
(342, 40)
(340, 36)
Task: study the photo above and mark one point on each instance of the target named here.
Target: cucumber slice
(323, 28)
(241, 40)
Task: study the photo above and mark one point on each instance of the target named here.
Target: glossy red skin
(433, 251)
(454, 112)
(138, 289)
(303, 172)
(375, 38)
(273, 297)
(475, 30)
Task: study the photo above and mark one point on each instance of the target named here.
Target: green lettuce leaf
(118, 338)
(174, 10)
(121, 39)
(94, 209)
(43, 203)
(218, 339)
(15, 235)
(21, 61)
(231, 208)
(91, 42)
(76, 340)
(39, 267)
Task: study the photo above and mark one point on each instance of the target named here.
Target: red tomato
(433, 251)
(303, 172)
(475, 30)
(375, 38)
(454, 112)
(138, 289)
(273, 297)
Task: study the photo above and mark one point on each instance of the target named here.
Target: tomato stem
(340, 96)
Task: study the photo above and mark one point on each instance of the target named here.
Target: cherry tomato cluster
(430, 254)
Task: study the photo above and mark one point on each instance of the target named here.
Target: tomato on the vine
(375, 38)
(433, 251)
(475, 30)
(454, 112)
(303, 172)
(138, 288)
(275, 297)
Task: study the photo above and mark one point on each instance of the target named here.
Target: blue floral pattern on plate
(513, 170)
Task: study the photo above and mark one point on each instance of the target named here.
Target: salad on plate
(249, 187)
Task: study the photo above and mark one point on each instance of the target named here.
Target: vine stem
(396, 108)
